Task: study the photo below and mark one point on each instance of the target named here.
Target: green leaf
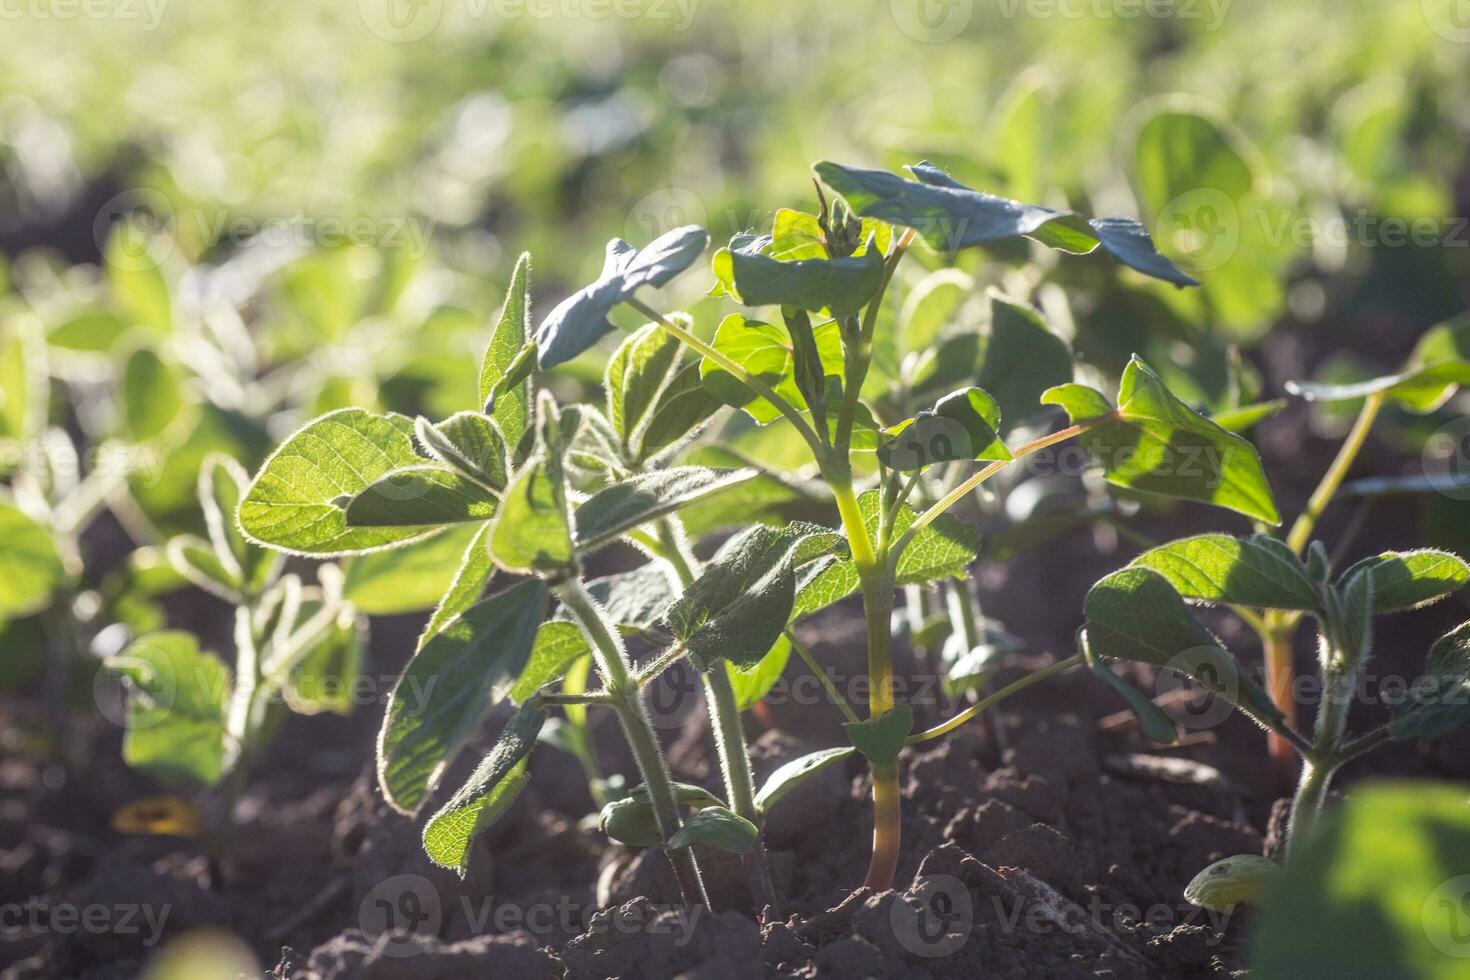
(622, 507)
(1153, 722)
(420, 496)
(643, 365)
(1258, 571)
(1420, 390)
(765, 352)
(1247, 416)
(487, 794)
(1349, 608)
(222, 483)
(1021, 360)
(1439, 702)
(151, 399)
(841, 285)
(30, 569)
(687, 794)
(1135, 614)
(326, 678)
(742, 601)
(580, 320)
(533, 530)
(196, 560)
(88, 332)
(1160, 445)
(512, 409)
(881, 739)
(683, 407)
(950, 216)
(932, 305)
(449, 685)
(1410, 579)
(1375, 892)
(718, 827)
(177, 700)
(1228, 882)
(470, 443)
(753, 683)
(289, 505)
(791, 775)
(411, 578)
(961, 425)
(471, 577)
(140, 294)
(631, 822)
(559, 644)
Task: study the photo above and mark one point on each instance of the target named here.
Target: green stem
(1020, 685)
(1307, 805)
(1301, 530)
(612, 662)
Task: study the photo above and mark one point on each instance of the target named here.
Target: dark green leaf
(1257, 571)
(643, 365)
(631, 822)
(961, 425)
(420, 496)
(682, 408)
(1410, 579)
(791, 775)
(881, 739)
(718, 827)
(620, 508)
(1021, 360)
(841, 286)
(1439, 702)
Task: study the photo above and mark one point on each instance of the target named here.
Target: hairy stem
(1276, 642)
(627, 701)
(1307, 805)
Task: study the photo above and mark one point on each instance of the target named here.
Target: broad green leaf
(1420, 390)
(196, 560)
(30, 569)
(151, 399)
(1410, 579)
(140, 294)
(473, 574)
(961, 425)
(1021, 359)
(622, 507)
(289, 505)
(1375, 892)
(420, 496)
(881, 739)
(177, 700)
(327, 677)
(558, 645)
(1135, 614)
(634, 599)
(1447, 341)
(643, 365)
(683, 407)
(933, 305)
(487, 794)
(1439, 701)
(411, 578)
(512, 408)
(1153, 722)
(1159, 445)
(742, 601)
(753, 683)
(532, 532)
(1243, 878)
(222, 483)
(455, 678)
(1257, 571)
(580, 320)
(791, 775)
(630, 822)
(840, 285)
(470, 443)
(950, 216)
(88, 332)
(765, 352)
(719, 827)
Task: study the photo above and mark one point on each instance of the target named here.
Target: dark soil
(1047, 841)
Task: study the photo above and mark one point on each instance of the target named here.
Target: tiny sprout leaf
(791, 775)
(502, 394)
(457, 675)
(1157, 444)
(177, 702)
(580, 320)
(687, 794)
(289, 505)
(30, 569)
(469, 443)
(631, 822)
(1258, 571)
(717, 827)
(421, 496)
(487, 794)
(618, 509)
(880, 739)
(1232, 880)
(1410, 579)
(1135, 614)
(961, 425)
(950, 216)
(196, 560)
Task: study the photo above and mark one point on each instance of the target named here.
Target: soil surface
(1046, 839)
